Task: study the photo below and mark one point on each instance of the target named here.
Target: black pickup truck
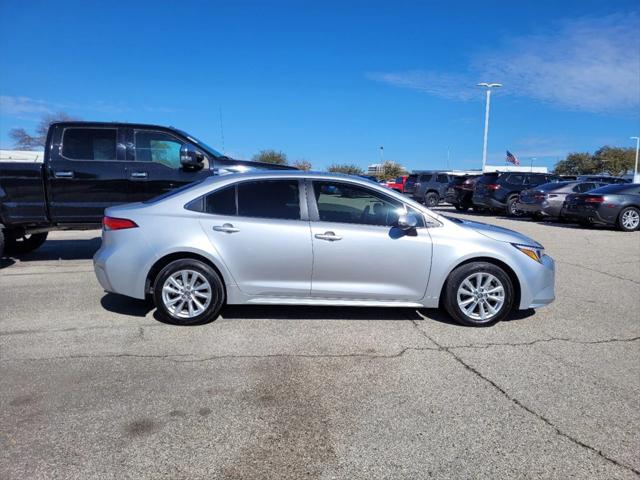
(89, 166)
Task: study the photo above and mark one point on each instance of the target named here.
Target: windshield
(202, 144)
(614, 188)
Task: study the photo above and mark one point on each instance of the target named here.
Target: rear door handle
(227, 228)
(329, 236)
(63, 174)
(139, 174)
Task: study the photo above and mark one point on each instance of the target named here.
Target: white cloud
(589, 64)
(17, 106)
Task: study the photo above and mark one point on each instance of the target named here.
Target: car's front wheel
(479, 294)
(188, 292)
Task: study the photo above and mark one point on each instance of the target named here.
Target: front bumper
(538, 288)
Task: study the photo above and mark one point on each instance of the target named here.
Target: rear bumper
(488, 202)
(583, 214)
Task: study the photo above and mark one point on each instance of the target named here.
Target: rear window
(488, 178)
(412, 179)
(89, 144)
(617, 188)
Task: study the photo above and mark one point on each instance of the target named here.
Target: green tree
(615, 160)
(271, 156)
(302, 164)
(390, 170)
(577, 164)
(349, 169)
(26, 141)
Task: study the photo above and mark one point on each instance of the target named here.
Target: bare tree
(271, 156)
(302, 164)
(25, 141)
(346, 168)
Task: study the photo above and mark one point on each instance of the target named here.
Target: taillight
(594, 200)
(539, 196)
(112, 223)
(492, 186)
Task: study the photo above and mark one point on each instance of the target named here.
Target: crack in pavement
(598, 271)
(527, 409)
(545, 340)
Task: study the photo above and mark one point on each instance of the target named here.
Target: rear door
(85, 173)
(153, 166)
(358, 253)
(261, 231)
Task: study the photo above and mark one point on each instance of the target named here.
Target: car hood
(496, 233)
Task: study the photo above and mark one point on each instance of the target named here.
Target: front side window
(89, 144)
(269, 199)
(345, 203)
(159, 147)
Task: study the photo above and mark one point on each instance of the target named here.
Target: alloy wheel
(481, 296)
(631, 219)
(186, 294)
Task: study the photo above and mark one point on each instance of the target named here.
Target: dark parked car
(546, 200)
(428, 187)
(460, 191)
(614, 205)
(603, 179)
(500, 190)
(90, 166)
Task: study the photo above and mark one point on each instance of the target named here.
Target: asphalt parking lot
(93, 386)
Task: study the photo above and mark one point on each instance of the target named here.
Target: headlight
(534, 253)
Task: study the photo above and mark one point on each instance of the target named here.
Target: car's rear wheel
(431, 199)
(479, 294)
(629, 219)
(512, 211)
(188, 292)
(23, 243)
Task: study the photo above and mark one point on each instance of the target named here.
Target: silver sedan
(300, 238)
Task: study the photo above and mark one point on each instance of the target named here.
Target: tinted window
(617, 188)
(345, 203)
(425, 178)
(584, 187)
(411, 180)
(269, 199)
(152, 146)
(552, 186)
(221, 202)
(536, 180)
(442, 178)
(89, 143)
(516, 179)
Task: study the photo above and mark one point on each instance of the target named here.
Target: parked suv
(427, 187)
(460, 191)
(500, 190)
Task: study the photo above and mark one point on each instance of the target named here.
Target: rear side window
(221, 202)
(89, 144)
(442, 178)
(515, 179)
(425, 178)
(269, 199)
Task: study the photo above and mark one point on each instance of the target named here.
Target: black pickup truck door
(152, 165)
(85, 173)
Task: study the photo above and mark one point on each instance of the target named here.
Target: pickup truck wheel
(24, 243)
(431, 199)
(188, 292)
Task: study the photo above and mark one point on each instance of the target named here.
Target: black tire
(461, 208)
(585, 223)
(511, 206)
(431, 199)
(23, 243)
(632, 211)
(455, 280)
(538, 217)
(1, 241)
(217, 300)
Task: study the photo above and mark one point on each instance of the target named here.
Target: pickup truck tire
(24, 243)
(195, 301)
(431, 199)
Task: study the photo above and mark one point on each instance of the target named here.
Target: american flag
(512, 158)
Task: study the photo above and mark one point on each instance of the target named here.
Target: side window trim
(61, 144)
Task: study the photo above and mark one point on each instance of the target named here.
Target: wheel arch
(162, 262)
(498, 263)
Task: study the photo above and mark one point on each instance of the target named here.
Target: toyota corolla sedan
(301, 238)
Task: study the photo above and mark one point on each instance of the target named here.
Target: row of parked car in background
(586, 199)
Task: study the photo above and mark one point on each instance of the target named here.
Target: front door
(257, 228)
(153, 166)
(86, 173)
(358, 252)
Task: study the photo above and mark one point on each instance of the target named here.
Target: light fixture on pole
(636, 175)
(488, 86)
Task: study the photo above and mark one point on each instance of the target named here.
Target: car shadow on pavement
(126, 305)
(6, 262)
(441, 316)
(288, 312)
(72, 249)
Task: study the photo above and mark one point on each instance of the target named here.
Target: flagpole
(488, 86)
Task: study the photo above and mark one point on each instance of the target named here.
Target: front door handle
(63, 174)
(139, 174)
(329, 236)
(227, 228)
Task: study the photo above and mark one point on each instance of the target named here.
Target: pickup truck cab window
(89, 144)
(159, 147)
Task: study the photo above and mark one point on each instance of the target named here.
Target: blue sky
(330, 82)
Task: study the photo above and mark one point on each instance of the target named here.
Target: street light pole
(636, 175)
(488, 86)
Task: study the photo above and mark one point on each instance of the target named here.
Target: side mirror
(190, 157)
(407, 221)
